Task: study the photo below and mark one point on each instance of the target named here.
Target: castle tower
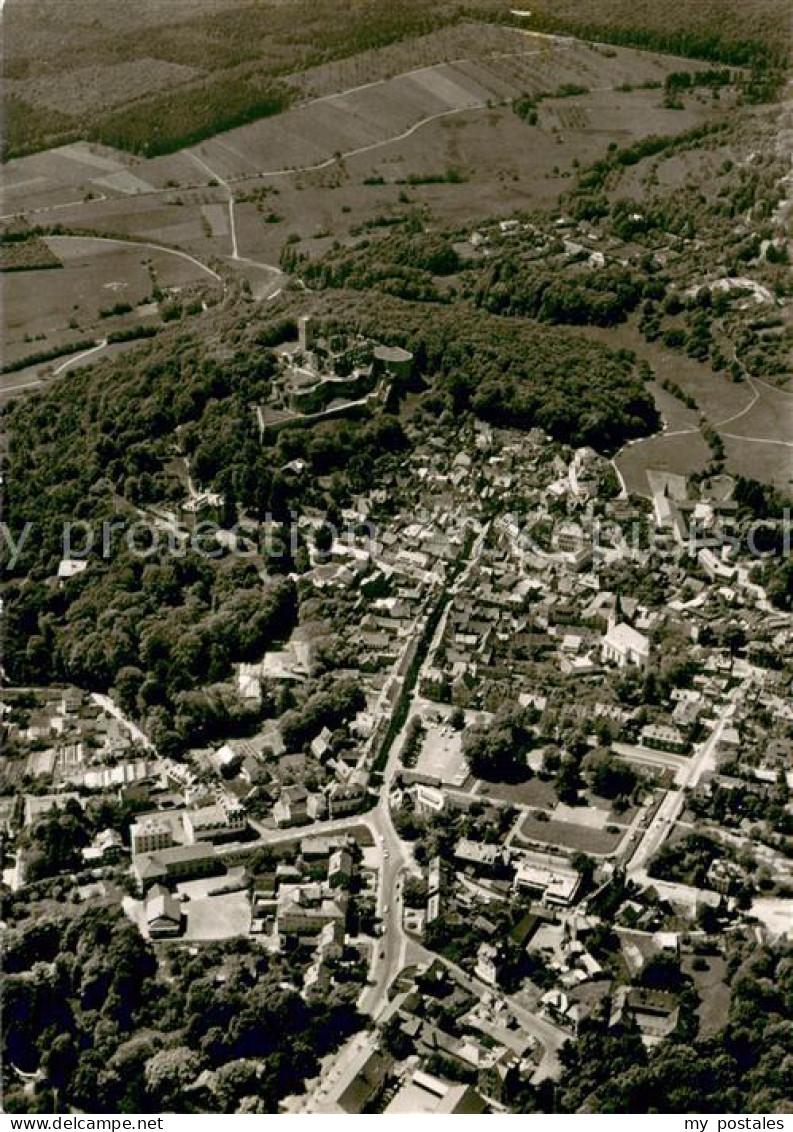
(305, 332)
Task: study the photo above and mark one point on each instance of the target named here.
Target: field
(753, 419)
(327, 168)
(567, 835)
(45, 308)
(177, 71)
(535, 792)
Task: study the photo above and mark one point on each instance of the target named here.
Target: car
(386, 854)
(385, 910)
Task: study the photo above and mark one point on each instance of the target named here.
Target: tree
(170, 1071)
(569, 782)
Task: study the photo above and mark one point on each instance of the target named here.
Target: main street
(671, 807)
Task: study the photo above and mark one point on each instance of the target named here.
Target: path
(143, 244)
(79, 357)
(232, 219)
(235, 251)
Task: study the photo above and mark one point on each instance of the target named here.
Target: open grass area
(534, 792)
(100, 288)
(714, 993)
(566, 835)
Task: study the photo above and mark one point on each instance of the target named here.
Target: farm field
(48, 307)
(347, 120)
(331, 166)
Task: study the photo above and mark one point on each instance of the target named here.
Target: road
(235, 251)
(663, 760)
(108, 706)
(397, 860)
(670, 809)
(79, 357)
(145, 244)
(13, 383)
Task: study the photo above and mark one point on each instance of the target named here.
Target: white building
(625, 646)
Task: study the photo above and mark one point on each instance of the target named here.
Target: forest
(723, 31)
(112, 1027)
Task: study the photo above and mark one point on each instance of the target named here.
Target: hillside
(183, 72)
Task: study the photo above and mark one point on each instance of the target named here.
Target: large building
(212, 823)
(152, 832)
(624, 646)
(179, 862)
(425, 1094)
(163, 914)
(555, 884)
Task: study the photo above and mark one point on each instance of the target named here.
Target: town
(541, 766)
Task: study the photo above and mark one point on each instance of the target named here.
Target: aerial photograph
(396, 560)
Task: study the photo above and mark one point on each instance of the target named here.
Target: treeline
(679, 81)
(526, 105)
(715, 30)
(189, 115)
(594, 178)
(41, 356)
(22, 251)
(516, 373)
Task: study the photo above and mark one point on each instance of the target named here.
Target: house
(488, 963)
(655, 1013)
(361, 1084)
(345, 799)
(725, 876)
(475, 853)
(340, 868)
(222, 819)
(163, 914)
(320, 745)
(498, 1077)
(624, 646)
(152, 832)
(305, 910)
(555, 884)
(106, 847)
(291, 807)
(664, 737)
